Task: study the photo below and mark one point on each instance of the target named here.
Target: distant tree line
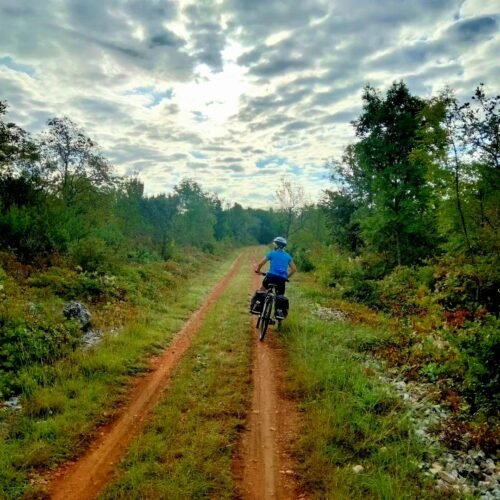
(59, 197)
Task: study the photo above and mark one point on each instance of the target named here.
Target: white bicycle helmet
(280, 241)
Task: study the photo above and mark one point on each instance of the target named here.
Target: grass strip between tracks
(186, 449)
(63, 404)
(350, 418)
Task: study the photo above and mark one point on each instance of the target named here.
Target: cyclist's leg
(265, 284)
(280, 310)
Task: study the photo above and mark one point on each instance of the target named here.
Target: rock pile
(469, 472)
(76, 310)
(91, 338)
(13, 404)
(327, 314)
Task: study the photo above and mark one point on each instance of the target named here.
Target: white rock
(436, 467)
(446, 476)
(358, 468)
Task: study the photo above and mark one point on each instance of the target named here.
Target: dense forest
(409, 228)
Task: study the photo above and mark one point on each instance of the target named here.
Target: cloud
(166, 39)
(296, 126)
(279, 66)
(209, 89)
(472, 30)
(206, 33)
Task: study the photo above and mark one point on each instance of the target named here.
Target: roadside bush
(14, 268)
(303, 260)
(398, 293)
(361, 289)
(479, 345)
(94, 255)
(461, 285)
(337, 266)
(72, 285)
(351, 277)
(142, 255)
(38, 340)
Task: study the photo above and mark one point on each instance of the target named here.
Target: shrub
(302, 258)
(94, 255)
(461, 285)
(72, 285)
(339, 267)
(398, 292)
(479, 345)
(142, 255)
(360, 288)
(37, 340)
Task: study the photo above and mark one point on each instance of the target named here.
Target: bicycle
(264, 319)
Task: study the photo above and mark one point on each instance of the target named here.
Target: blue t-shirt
(279, 260)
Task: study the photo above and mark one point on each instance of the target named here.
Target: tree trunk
(456, 170)
(398, 248)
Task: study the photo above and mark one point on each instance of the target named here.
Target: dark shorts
(277, 280)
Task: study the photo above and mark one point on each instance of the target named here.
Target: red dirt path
(264, 466)
(85, 478)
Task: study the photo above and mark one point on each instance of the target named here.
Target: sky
(234, 94)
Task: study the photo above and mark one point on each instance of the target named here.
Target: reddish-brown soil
(86, 477)
(264, 465)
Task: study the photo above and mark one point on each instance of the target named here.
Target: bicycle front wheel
(265, 319)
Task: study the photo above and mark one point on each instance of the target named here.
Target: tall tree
(15, 145)
(71, 161)
(390, 180)
(339, 208)
(160, 212)
(194, 222)
(291, 201)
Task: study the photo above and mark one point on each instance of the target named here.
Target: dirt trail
(264, 466)
(87, 477)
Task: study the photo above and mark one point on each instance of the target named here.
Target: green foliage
(340, 208)
(142, 255)
(71, 161)
(304, 261)
(195, 219)
(71, 285)
(386, 192)
(462, 285)
(15, 144)
(94, 255)
(24, 341)
(398, 292)
(479, 345)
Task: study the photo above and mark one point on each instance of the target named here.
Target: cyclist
(278, 272)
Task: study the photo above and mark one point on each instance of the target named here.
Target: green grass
(349, 417)
(64, 402)
(186, 449)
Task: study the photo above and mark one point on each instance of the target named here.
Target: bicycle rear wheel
(265, 319)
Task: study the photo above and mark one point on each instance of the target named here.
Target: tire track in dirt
(85, 478)
(264, 465)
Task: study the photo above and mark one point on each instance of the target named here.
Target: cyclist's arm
(293, 268)
(260, 264)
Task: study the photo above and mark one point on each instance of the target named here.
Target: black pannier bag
(257, 302)
(282, 303)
